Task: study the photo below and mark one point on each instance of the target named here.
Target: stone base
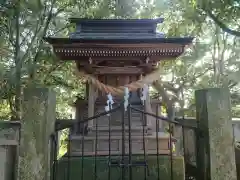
(100, 146)
(86, 167)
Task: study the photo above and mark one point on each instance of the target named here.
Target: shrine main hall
(114, 54)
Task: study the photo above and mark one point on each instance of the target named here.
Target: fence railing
(126, 152)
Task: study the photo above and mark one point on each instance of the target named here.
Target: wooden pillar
(38, 119)
(91, 102)
(148, 108)
(80, 113)
(160, 123)
(216, 143)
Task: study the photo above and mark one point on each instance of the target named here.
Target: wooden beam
(107, 46)
(118, 70)
(84, 58)
(84, 62)
(98, 59)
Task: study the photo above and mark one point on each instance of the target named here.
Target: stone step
(161, 136)
(116, 153)
(117, 130)
(91, 145)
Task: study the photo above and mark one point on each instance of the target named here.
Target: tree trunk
(18, 65)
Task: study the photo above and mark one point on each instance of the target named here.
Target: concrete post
(216, 144)
(38, 118)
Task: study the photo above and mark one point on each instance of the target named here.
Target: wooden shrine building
(115, 52)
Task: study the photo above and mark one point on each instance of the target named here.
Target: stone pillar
(9, 149)
(38, 119)
(3, 162)
(216, 142)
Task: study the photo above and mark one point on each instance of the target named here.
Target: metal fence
(127, 151)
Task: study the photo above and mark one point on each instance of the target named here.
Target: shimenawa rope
(148, 79)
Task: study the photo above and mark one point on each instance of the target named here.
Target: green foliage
(27, 61)
(225, 13)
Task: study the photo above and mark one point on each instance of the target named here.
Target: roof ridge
(86, 20)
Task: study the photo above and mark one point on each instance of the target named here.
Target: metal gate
(169, 157)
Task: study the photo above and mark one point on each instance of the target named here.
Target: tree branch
(61, 29)
(48, 20)
(222, 25)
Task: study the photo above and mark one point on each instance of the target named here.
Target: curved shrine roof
(120, 40)
(117, 31)
(115, 21)
(117, 37)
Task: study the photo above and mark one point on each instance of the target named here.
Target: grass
(73, 169)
